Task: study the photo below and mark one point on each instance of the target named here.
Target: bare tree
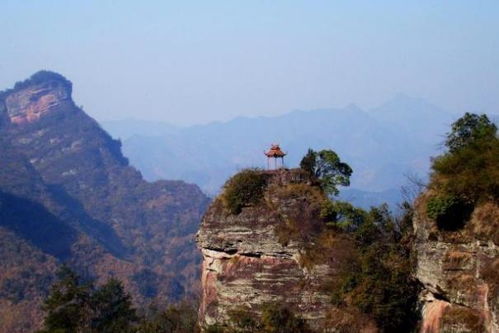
(413, 188)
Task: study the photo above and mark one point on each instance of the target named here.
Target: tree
(469, 170)
(74, 306)
(467, 174)
(378, 279)
(468, 128)
(113, 311)
(326, 167)
(68, 305)
(342, 214)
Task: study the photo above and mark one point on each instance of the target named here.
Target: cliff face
(459, 271)
(68, 194)
(39, 99)
(257, 257)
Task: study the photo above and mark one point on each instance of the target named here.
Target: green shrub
(438, 206)
(467, 173)
(449, 211)
(469, 128)
(470, 172)
(244, 189)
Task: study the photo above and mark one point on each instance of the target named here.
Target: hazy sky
(188, 62)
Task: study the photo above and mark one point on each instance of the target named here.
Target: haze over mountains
(382, 145)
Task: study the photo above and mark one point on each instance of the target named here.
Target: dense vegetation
(378, 280)
(467, 174)
(375, 276)
(75, 305)
(68, 195)
(244, 189)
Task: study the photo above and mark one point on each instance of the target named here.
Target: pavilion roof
(275, 151)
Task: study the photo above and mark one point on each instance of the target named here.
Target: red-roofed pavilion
(275, 153)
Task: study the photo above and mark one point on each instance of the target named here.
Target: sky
(191, 62)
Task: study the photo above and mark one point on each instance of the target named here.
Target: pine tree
(113, 311)
(67, 306)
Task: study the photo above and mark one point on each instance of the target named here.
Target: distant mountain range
(68, 195)
(382, 145)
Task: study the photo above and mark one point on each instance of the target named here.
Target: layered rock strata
(459, 271)
(253, 258)
(33, 102)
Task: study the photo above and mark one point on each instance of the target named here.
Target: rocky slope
(459, 271)
(260, 256)
(67, 194)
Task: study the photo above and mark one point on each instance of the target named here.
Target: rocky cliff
(459, 270)
(262, 256)
(277, 251)
(27, 103)
(67, 194)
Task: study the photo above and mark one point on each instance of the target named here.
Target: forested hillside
(67, 194)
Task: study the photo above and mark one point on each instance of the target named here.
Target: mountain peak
(43, 93)
(42, 77)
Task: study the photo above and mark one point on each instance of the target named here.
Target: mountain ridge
(354, 133)
(380, 150)
(90, 208)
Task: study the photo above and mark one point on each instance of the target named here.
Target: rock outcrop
(49, 92)
(255, 258)
(459, 271)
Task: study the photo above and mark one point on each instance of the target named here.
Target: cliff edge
(458, 269)
(258, 254)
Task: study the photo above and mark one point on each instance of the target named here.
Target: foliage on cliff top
(244, 189)
(470, 167)
(326, 167)
(467, 173)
